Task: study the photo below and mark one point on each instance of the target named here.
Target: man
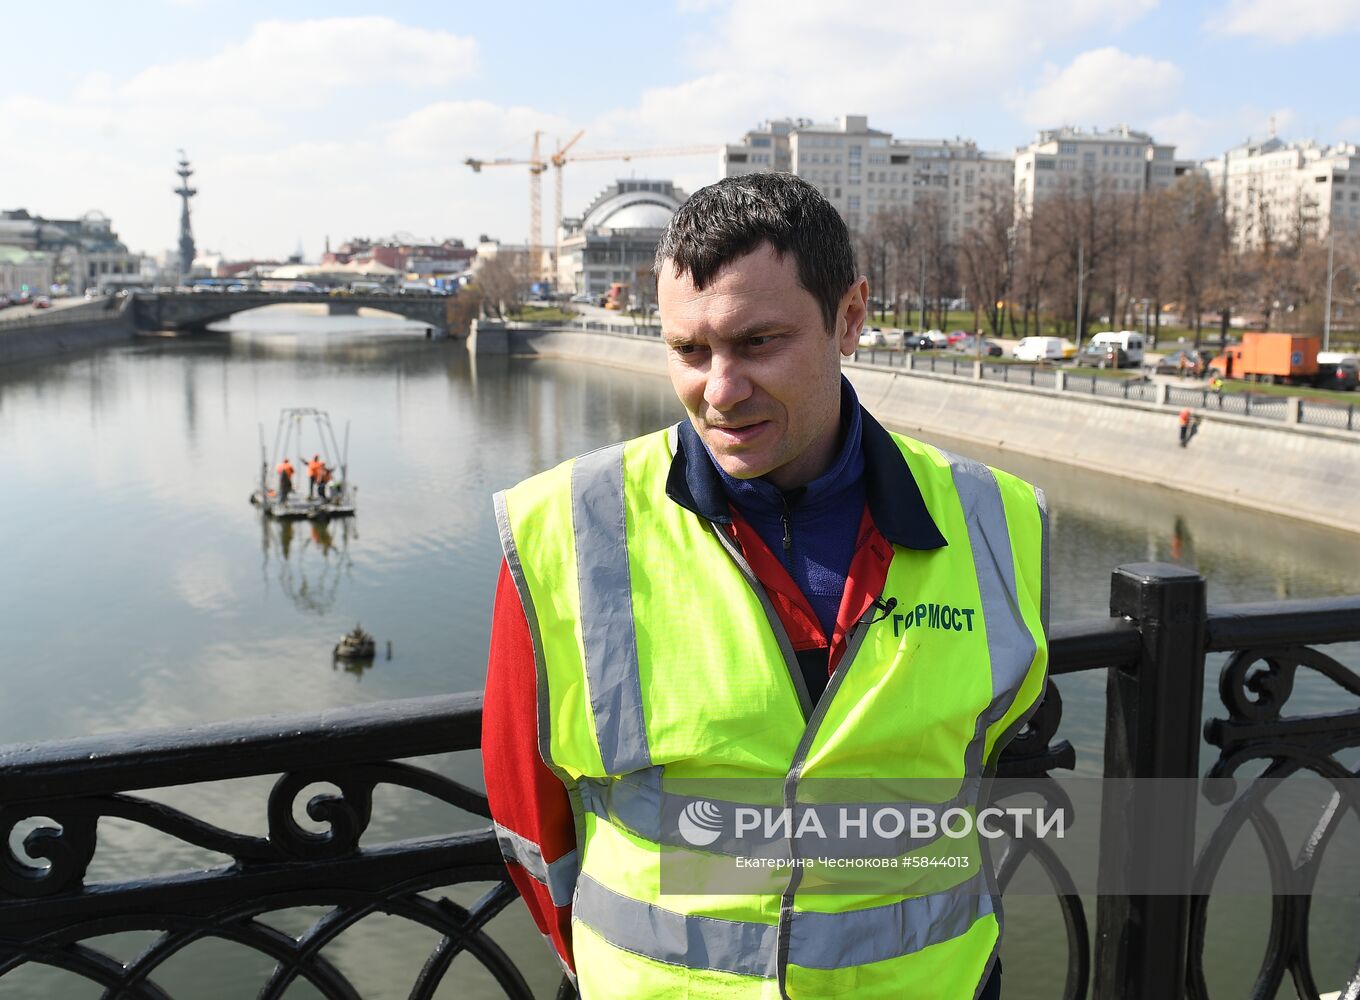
(715, 602)
(285, 474)
(314, 474)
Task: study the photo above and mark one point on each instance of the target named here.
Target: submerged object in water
(355, 645)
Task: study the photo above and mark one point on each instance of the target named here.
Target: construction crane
(538, 165)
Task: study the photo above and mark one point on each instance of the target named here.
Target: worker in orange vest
(1184, 421)
(285, 472)
(314, 480)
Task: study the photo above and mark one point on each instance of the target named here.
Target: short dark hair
(731, 218)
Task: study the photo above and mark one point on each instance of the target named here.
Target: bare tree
(986, 253)
(1191, 238)
(501, 282)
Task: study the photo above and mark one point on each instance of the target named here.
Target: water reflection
(309, 561)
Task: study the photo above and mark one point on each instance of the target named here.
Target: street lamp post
(1332, 272)
(1081, 288)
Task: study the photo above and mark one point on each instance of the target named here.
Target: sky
(305, 120)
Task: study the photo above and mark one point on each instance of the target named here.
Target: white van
(1040, 349)
(1131, 341)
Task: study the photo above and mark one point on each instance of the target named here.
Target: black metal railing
(1311, 411)
(1152, 651)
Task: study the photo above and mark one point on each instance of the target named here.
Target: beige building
(1120, 160)
(1273, 190)
(862, 170)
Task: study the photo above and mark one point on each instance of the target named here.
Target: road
(14, 312)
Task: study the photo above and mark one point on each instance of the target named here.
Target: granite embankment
(60, 331)
(1305, 472)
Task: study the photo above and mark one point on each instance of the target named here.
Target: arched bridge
(195, 310)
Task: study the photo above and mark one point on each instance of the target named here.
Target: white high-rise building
(1273, 190)
(862, 170)
(1120, 160)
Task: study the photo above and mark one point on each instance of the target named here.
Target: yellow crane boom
(560, 157)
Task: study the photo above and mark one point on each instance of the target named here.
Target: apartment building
(1273, 190)
(1120, 160)
(862, 170)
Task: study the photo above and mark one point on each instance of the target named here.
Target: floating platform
(302, 509)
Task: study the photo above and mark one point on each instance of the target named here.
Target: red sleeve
(529, 804)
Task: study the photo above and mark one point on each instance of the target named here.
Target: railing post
(977, 371)
(1152, 730)
(1293, 409)
(1163, 394)
(1059, 380)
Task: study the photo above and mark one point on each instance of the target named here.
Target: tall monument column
(186, 233)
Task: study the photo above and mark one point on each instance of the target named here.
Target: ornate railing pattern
(1152, 651)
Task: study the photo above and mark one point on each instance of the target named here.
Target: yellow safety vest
(666, 681)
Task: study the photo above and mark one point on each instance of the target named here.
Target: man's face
(751, 359)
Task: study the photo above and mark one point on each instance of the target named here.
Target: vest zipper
(853, 641)
(788, 526)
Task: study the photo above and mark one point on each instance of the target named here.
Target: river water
(141, 590)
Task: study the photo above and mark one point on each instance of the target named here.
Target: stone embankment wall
(1304, 472)
(60, 331)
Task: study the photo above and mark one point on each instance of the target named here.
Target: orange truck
(1270, 357)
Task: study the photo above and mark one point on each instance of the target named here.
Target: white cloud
(769, 58)
(1102, 86)
(1286, 21)
(1199, 137)
(461, 129)
(1348, 130)
(301, 63)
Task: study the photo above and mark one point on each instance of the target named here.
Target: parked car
(1130, 340)
(42, 302)
(5, 302)
(583, 298)
(1103, 355)
(1183, 361)
(954, 336)
(1040, 349)
(971, 345)
(872, 336)
(1338, 371)
(937, 338)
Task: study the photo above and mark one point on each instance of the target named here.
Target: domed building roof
(642, 215)
(634, 204)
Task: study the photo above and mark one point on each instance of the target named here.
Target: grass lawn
(544, 314)
(1307, 392)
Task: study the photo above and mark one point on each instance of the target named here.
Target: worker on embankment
(1188, 426)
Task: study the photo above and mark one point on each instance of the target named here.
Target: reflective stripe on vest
(607, 626)
(559, 876)
(617, 633)
(819, 940)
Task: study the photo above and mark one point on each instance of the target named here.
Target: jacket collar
(895, 501)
